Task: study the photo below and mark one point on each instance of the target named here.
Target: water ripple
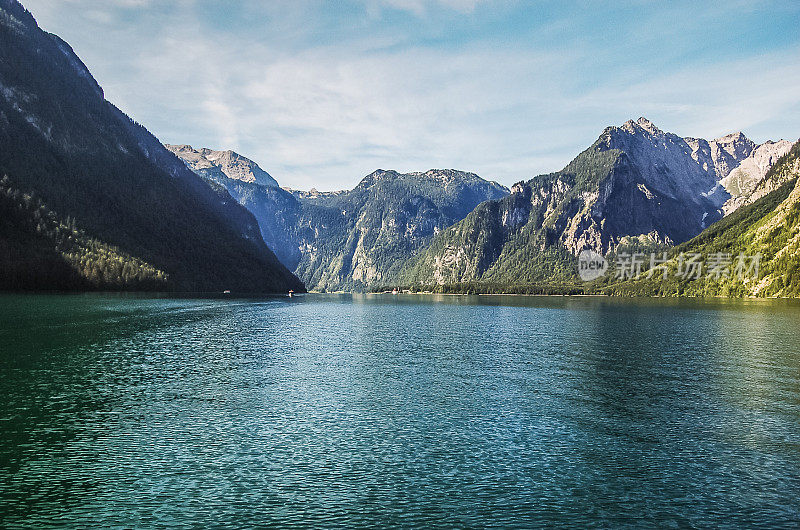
(326, 411)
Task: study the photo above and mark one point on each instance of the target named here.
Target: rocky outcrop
(745, 183)
(217, 164)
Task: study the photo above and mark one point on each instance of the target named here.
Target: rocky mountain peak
(736, 144)
(377, 176)
(647, 125)
(733, 137)
(641, 125)
(448, 173)
(181, 147)
(440, 178)
(229, 164)
(448, 176)
(638, 135)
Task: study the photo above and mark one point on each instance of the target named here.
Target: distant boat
(394, 291)
(291, 293)
(226, 291)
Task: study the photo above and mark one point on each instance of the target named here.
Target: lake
(411, 411)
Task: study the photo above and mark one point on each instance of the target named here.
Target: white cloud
(320, 112)
(713, 100)
(421, 7)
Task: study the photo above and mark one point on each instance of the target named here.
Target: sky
(321, 93)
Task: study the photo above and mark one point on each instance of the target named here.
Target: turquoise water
(398, 410)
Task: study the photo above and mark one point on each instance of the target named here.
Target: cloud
(320, 99)
(421, 7)
(712, 100)
(327, 116)
(415, 106)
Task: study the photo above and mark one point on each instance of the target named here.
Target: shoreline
(238, 296)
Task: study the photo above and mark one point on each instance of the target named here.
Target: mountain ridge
(109, 203)
(766, 230)
(229, 164)
(351, 239)
(636, 184)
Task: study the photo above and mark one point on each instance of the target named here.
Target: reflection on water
(398, 410)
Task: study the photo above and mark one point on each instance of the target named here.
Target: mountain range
(89, 199)
(766, 232)
(353, 239)
(636, 185)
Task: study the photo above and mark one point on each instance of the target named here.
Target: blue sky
(321, 93)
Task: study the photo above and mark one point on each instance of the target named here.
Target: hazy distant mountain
(354, 239)
(635, 185)
(210, 163)
(90, 199)
(363, 236)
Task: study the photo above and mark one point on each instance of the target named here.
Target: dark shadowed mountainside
(91, 199)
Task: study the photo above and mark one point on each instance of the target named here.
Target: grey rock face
(635, 185)
(228, 164)
(746, 183)
(677, 186)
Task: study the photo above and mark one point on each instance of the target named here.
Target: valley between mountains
(636, 187)
(90, 200)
